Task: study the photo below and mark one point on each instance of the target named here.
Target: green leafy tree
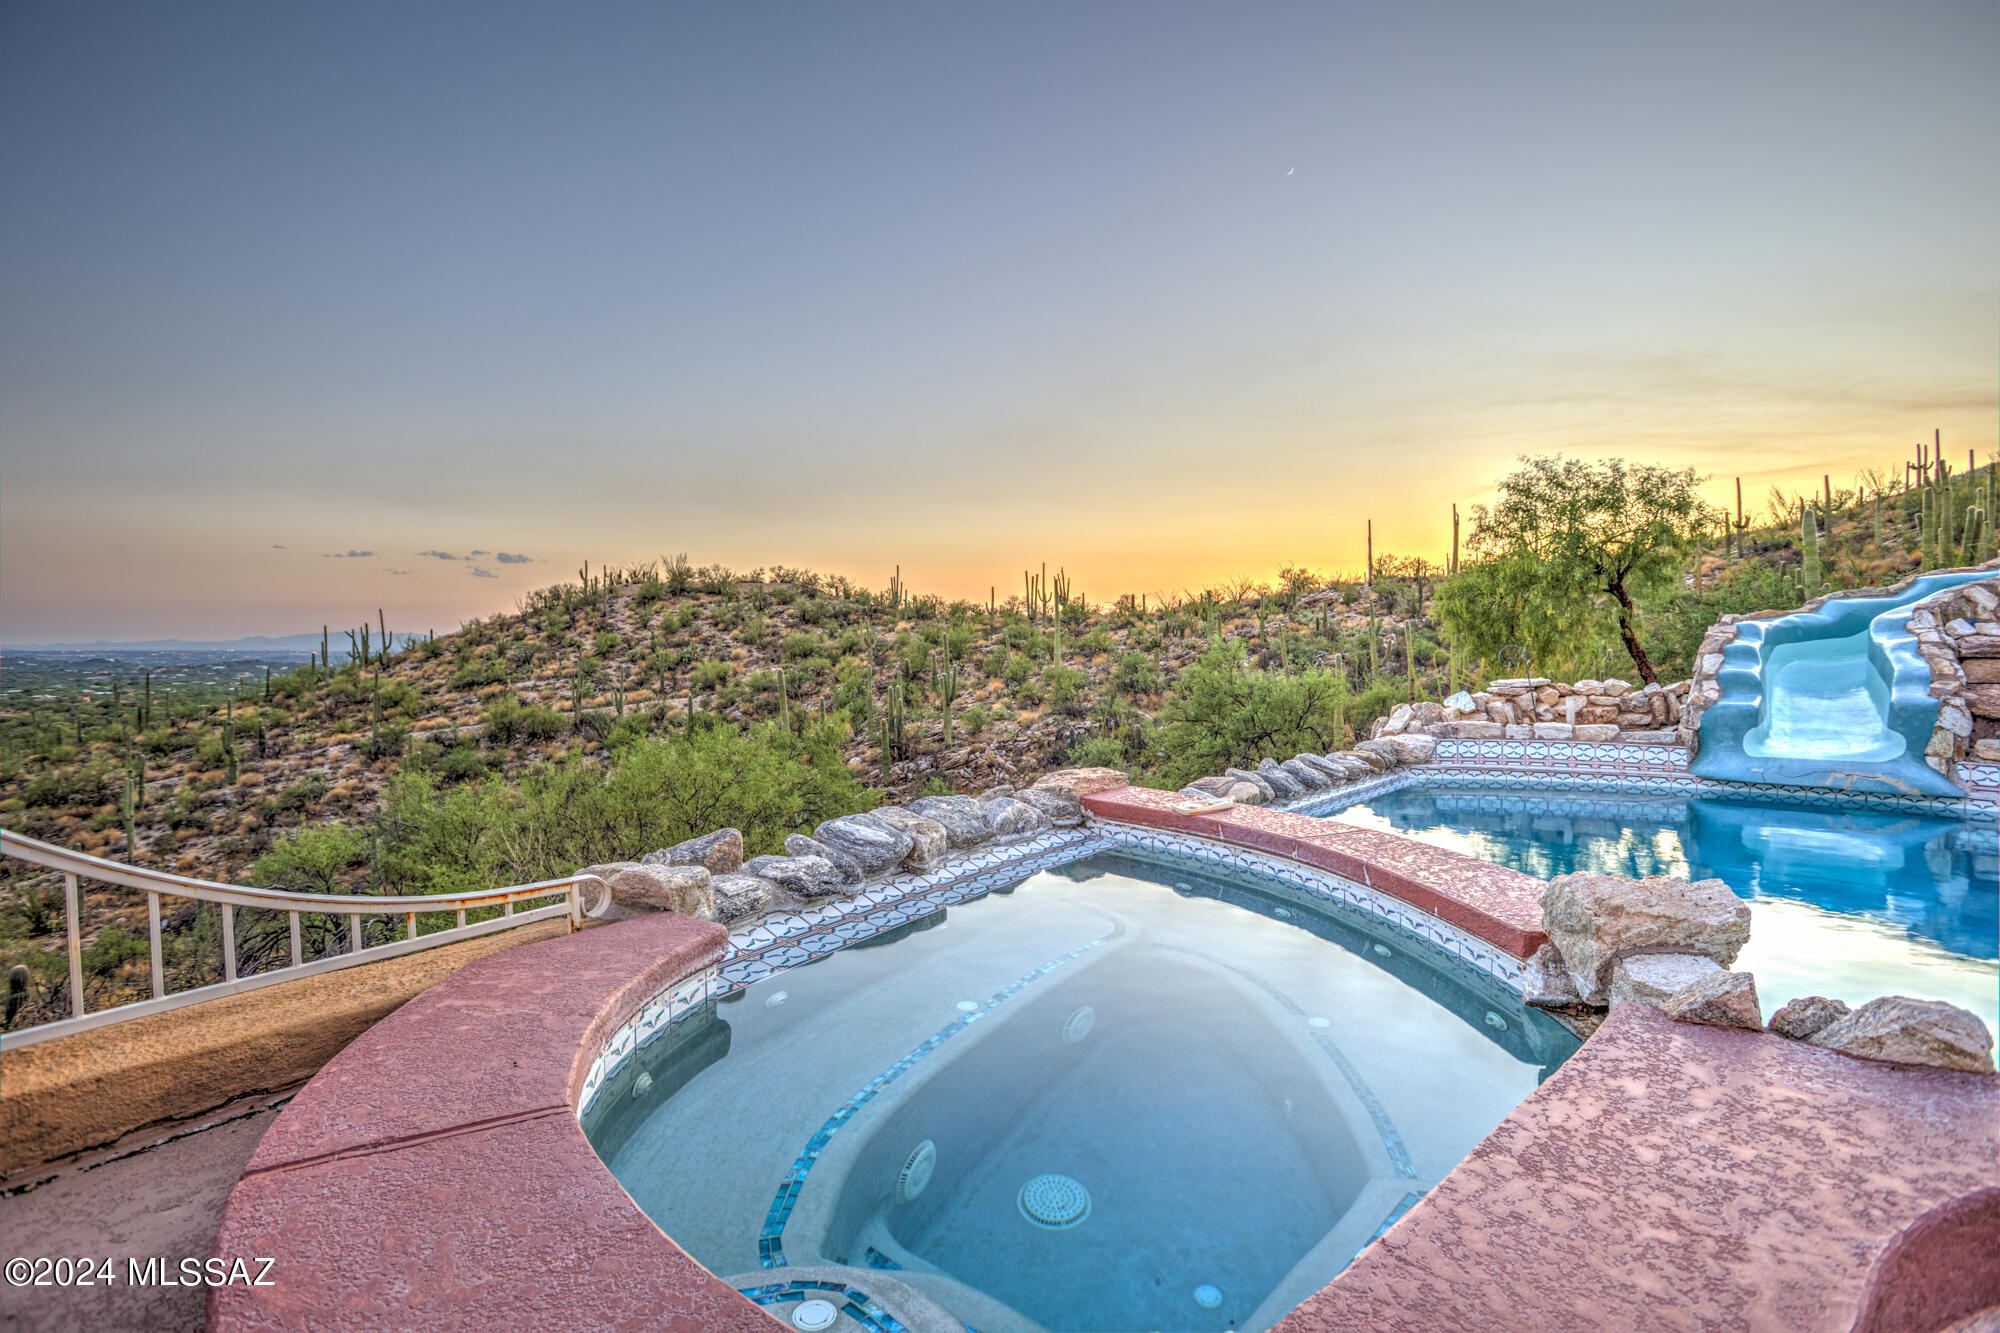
(1572, 531)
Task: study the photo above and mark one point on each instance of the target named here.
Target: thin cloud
(479, 573)
(474, 555)
(399, 571)
(276, 547)
(350, 555)
(513, 558)
(438, 555)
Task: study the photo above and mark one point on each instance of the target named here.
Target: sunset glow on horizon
(314, 312)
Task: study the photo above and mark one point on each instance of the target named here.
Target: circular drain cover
(1208, 1295)
(916, 1172)
(1494, 1020)
(814, 1314)
(1054, 1201)
(1079, 1025)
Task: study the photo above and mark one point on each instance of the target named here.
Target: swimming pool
(1133, 1092)
(1844, 902)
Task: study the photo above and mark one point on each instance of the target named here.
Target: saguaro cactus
(1809, 542)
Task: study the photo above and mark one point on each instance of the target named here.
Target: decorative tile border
(1651, 770)
(1448, 939)
(788, 939)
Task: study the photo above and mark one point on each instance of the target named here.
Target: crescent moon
(1290, 170)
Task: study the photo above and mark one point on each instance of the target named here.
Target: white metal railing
(156, 884)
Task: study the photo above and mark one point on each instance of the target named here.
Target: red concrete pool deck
(433, 1175)
(1676, 1177)
(1668, 1176)
(1499, 905)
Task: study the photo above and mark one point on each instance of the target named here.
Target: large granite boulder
(720, 852)
(963, 823)
(1267, 793)
(1548, 982)
(1335, 774)
(1801, 1018)
(1350, 766)
(1080, 782)
(798, 844)
(930, 843)
(1284, 787)
(1904, 1031)
(1012, 820)
(1654, 978)
(1215, 786)
(623, 889)
(1379, 759)
(1248, 793)
(1381, 749)
(740, 896)
(1411, 749)
(1306, 775)
(875, 845)
(1596, 920)
(1061, 809)
(1721, 999)
(801, 876)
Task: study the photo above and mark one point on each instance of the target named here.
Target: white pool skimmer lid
(814, 1315)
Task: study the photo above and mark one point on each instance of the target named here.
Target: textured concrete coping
(1676, 1177)
(434, 1175)
(1499, 905)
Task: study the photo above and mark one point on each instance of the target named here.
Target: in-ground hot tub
(1129, 1094)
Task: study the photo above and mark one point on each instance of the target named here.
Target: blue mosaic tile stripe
(771, 1242)
(855, 1303)
(876, 1259)
(1392, 1141)
(1395, 1216)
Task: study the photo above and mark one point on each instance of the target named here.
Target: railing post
(461, 916)
(71, 915)
(228, 942)
(153, 931)
(413, 925)
(507, 908)
(298, 949)
(354, 932)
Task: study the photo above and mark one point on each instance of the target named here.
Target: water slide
(1836, 697)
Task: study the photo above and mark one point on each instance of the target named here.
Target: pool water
(1846, 903)
(1130, 1093)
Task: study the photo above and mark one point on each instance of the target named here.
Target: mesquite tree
(1584, 530)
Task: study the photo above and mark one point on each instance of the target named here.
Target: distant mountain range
(260, 643)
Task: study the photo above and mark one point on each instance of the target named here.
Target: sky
(307, 310)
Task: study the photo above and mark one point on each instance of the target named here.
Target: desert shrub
(112, 949)
(803, 644)
(476, 671)
(656, 791)
(311, 860)
(1063, 688)
(1223, 714)
(1136, 673)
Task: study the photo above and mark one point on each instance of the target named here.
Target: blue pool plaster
(1836, 698)
(1849, 902)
